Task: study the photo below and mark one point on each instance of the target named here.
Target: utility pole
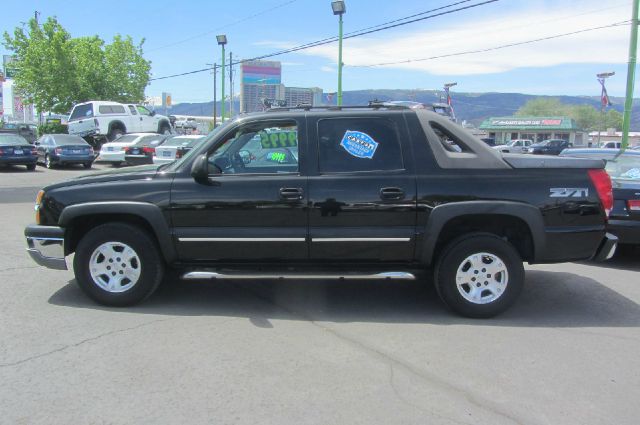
(230, 84)
(222, 41)
(339, 8)
(631, 75)
(215, 95)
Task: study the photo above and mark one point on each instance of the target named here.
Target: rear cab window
(358, 144)
(82, 111)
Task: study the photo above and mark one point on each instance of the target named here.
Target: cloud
(606, 46)
(328, 69)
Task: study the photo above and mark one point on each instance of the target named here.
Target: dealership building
(504, 129)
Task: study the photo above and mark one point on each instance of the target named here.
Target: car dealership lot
(321, 352)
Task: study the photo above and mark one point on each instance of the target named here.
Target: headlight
(38, 204)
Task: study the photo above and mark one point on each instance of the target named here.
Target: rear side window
(81, 111)
(111, 109)
(358, 144)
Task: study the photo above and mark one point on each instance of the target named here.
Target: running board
(198, 275)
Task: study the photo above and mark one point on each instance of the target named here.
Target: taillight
(602, 183)
(148, 151)
(127, 150)
(34, 151)
(39, 197)
(179, 153)
(59, 151)
(633, 205)
(3, 152)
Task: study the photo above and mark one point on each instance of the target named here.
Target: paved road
(312, 353)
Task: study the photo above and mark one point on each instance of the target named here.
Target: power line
(369, 30)
(488, 49)
(239, 21)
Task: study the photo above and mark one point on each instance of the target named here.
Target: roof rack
(373, 104)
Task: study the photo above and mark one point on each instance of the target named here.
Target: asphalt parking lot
(311, 353)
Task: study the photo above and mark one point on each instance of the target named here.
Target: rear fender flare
(442, 214)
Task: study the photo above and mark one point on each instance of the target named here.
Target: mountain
(472, 107)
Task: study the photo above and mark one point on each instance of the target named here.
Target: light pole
(339, 8)
(222, 40)
(604, 100)
(447, 86)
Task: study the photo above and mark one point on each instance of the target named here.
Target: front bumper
(45, 245)
(607, 248)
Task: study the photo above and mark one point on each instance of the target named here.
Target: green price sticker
(278, 139)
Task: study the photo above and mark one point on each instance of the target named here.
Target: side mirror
(37, 143)
(152, 113)
(200, 169)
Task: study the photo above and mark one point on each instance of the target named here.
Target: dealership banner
(512, 123)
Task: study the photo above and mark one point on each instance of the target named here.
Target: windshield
(68, 139)
(624, 167)
(11, 139)
(183, 141)
(220, 129)
(127, 138)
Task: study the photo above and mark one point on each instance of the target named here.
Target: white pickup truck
(100, 119)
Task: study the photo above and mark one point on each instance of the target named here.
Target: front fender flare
(150, 213)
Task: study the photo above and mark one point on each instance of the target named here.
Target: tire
(470, 260)
(47, 162)
(114, 134)
(165, 129)
(141, 275)
(31, 167)
(87, 165)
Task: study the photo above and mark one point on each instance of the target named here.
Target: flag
(329, 98)
(604, 97)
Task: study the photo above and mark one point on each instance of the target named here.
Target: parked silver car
(514, 146)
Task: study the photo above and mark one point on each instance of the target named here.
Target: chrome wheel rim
(482, 278)
(115, 267)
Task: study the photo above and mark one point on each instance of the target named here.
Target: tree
(56, 71)
(613, 119)
(543, 107)
(586, 116)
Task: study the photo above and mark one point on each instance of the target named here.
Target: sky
(180, 37)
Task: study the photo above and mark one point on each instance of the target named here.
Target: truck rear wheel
(479, 275)
(114, 134)
(117, 264)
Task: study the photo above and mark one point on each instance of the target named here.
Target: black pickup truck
(378, 192)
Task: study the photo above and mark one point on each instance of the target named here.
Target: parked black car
(362, 193)
(15, 150)
(142, 152)
(624, 169)
(64, 149)
(548, 147)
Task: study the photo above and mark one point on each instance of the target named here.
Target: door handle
(391, 193)
(291, 193)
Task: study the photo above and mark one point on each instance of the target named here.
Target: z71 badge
(568, 192)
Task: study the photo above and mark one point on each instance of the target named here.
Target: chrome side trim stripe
(361, 239)
(242, 239)
(294, 239)
(197, 275)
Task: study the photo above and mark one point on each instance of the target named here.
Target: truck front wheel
(479, 275)
(117, 264)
